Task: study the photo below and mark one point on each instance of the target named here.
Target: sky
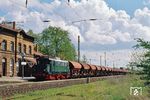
(128, 5)
(118, 24)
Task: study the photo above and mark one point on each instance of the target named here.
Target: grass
(109, 89)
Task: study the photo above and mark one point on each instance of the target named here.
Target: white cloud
(142, 16)
(2, 19)
(112, 26)
(124, 37)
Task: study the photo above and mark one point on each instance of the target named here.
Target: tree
(36, 38)
(55, 42)
(84, 59)
(136, 58)
(145, 61)
(35, 35)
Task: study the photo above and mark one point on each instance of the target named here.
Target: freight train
(53, 69)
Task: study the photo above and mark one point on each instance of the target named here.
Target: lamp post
(105, 58)
(100, 60)
(78, 48)
(90, 60)
(23, 63)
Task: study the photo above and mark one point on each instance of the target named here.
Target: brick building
(13, 43)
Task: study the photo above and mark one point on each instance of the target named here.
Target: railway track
(7, 90)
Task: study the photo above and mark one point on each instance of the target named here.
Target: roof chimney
(14, 24)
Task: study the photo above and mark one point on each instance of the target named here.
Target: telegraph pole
(90, 60)
(100, 60)
(26, 3)
(113, 60)
(105, 58)
(113, 64)
(78, 48)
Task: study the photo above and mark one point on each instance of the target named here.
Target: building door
(11, 67)
(4, 66)
(19, 68)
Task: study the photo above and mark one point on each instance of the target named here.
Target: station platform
(15, 79)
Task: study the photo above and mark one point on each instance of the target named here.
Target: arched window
(24, 48)
(19, 47)
(4, 45)
(11, 67)
(12, 46)
(30, 50)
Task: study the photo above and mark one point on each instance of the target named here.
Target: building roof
(2, 26)
(75, 65)
(38, 54)
(29, 59)
(8, 28)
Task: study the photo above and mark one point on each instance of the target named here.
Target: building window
(12, 46)
(30, 50)
(11, 67)
(4, 45)
(24, 48)
(19, 47)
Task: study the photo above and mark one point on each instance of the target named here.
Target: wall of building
(27, 42)
(8, 54)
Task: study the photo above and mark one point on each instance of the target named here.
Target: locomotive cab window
(48, 67)
(58, 66)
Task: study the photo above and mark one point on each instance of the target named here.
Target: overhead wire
(76, 13)
(33, 9)
(68, 4)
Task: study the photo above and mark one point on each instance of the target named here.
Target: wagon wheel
(58, 77)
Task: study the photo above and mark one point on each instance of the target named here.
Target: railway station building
(15, 46)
